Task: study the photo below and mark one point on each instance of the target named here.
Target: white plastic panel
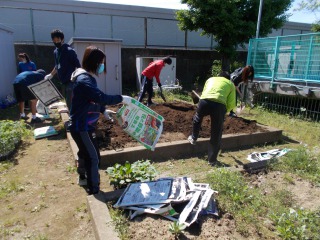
(275, 33)
(129, 29)
(290, 32)
(164, 33)
(197, 41)
(89, 25)
(45, 22)
(19, 20)
(305, 32)
(8, 71)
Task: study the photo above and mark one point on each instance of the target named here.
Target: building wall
(8, 69)
(144, 31)
(136, 26)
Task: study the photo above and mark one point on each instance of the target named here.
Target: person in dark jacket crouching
(87, 104)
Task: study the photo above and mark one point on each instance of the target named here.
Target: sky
(297, 16)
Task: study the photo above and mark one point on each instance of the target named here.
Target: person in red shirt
(153, 70)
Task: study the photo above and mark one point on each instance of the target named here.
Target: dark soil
(177, 126)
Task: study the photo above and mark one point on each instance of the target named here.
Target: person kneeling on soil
(87, 104)
(23, 93)
(217, 98)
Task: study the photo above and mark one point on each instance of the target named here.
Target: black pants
(217, 113)
(147, 86)
(88, 158)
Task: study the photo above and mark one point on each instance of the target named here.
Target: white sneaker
(191, 140)
(82, 182)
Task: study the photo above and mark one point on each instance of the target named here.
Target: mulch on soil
(177, 126)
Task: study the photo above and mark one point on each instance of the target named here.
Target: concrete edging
(182, 148)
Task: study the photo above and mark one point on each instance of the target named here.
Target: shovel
(240, 108)
(161, 94)
(195, 97)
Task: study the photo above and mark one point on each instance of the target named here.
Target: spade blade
(195, 97)
(161, 95)
(240, 109)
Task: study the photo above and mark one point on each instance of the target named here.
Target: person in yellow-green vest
(218, 97)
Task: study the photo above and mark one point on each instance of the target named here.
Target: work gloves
(159, 84)
(49, 76)
(126, 99)
(107, 114)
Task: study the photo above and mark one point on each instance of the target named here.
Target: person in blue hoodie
(87, 104)
(23, 93)
(25, 64)
(66, 61)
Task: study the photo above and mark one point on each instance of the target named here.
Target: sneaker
(217, 164)
(212, 164)
(82, 181)
(91, 192)
(67, 126)
(232, 114)
(191, 140)
(36, 120)
(151, 104)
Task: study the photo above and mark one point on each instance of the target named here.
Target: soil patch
(177, 126)
(304, 193)
(45, 201)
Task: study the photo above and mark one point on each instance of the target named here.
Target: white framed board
(46, 92)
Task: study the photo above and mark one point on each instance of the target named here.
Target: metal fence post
(276, 62)
(309, 57)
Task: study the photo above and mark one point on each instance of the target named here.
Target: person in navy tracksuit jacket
(87, 104)
(66, 62)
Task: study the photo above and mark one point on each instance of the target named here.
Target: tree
(312, 6)
(231, 22)
(316, 27)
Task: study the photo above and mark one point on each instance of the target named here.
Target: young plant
(297, 224)
(11, 133)
(139, 171)
(301, 162)
(176, 229)
(119, 221)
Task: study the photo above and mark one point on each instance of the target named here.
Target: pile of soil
(177, 126)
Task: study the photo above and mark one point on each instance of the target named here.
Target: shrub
(11, 133)
(139, 171)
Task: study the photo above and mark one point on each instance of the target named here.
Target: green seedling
(176, 229)
(139, 171)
